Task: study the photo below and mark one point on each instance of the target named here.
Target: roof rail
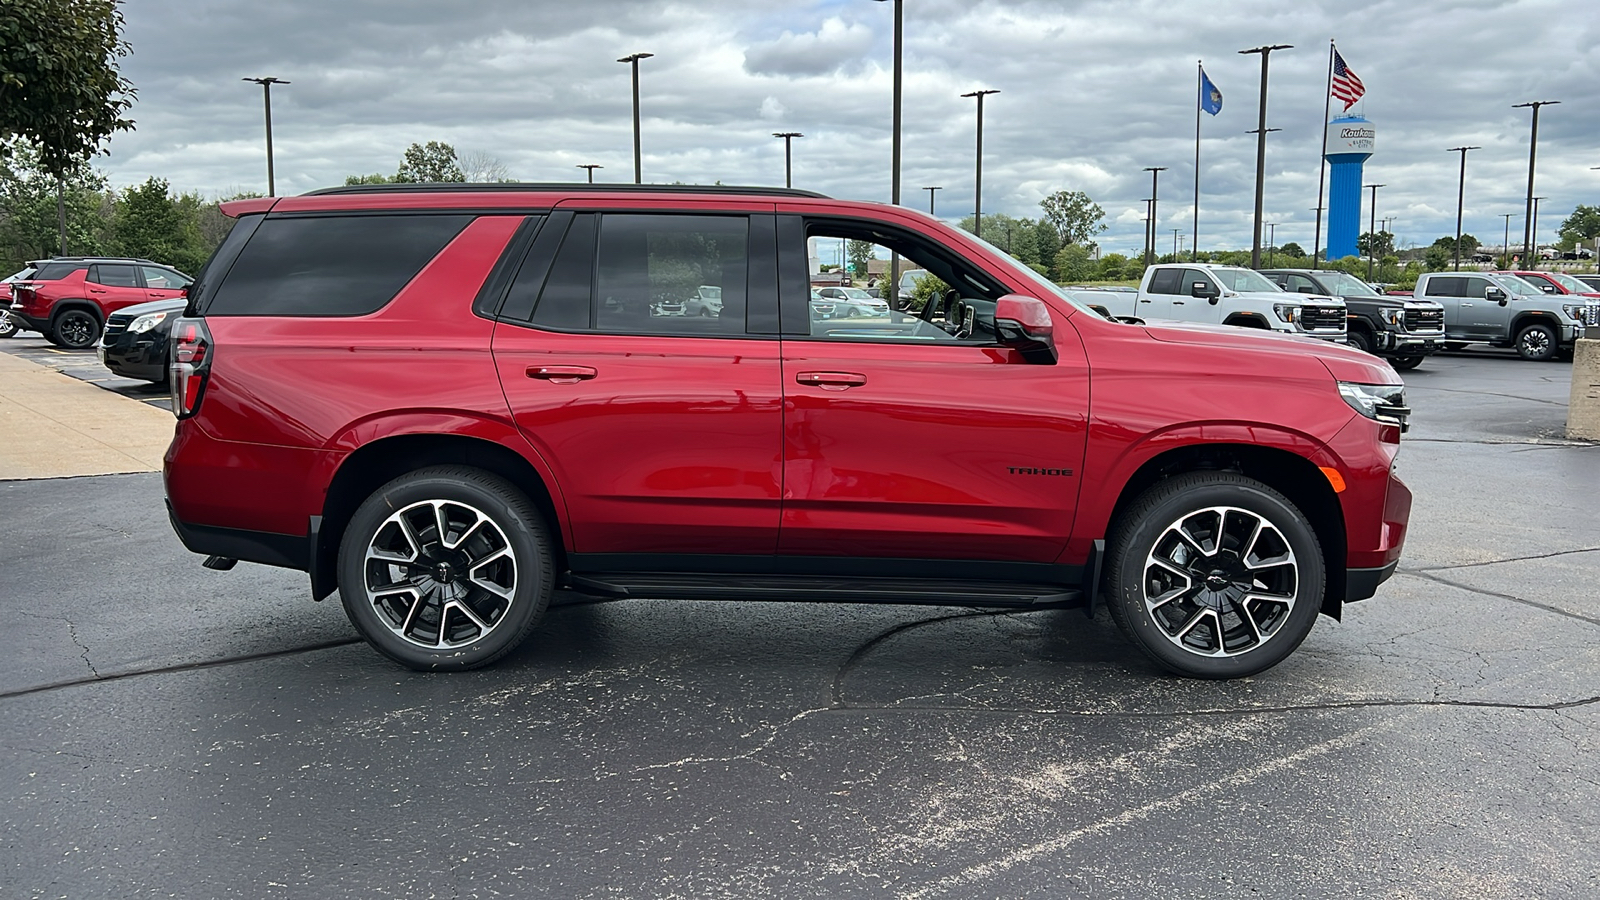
(563, 187)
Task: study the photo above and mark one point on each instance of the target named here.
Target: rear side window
(330, 266)
(1166, 281)
(57, 271)
(1447, 286)
(1475, 287)
(114, 275)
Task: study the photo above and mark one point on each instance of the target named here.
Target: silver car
(850, 303)
(705, 301)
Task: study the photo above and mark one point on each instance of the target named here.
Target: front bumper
(1406, 344)
(136, 356)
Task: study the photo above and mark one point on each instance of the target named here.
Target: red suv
(68, 299)
(446, 402)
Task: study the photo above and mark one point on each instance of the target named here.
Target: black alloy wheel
(1538, 342)
(76, 329)
(1214, 575)
(446, 568)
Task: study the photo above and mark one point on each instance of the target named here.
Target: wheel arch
(377, 462)
(1287, 472)
(60, 307)
(1534, 316)
(1247, 320)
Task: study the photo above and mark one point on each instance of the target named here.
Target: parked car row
(70, 299)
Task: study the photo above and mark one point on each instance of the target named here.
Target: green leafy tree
(1075, 218)
(1469, 245)
(1438, 258)
(433, 162)
(1072, 264)
(1582, 225)
(374, 178)
(60, 90)
(860, 255)
(1293, 250)
(152, 223)
(29, 223)
(1375, 245)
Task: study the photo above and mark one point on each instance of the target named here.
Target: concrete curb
(55, 426)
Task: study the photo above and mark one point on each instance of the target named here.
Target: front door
(916, 436)
(662, 429)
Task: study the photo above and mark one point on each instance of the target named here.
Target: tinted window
(566, 300)
(55, 271)
(1474, 287)
(114, 275)
(158, 278)
(1192, 277)
(330, 266)
(1447, 286)
(650, 266)
(1166, 281)
(1299, 284)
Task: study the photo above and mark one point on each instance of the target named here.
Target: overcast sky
(1092, 92)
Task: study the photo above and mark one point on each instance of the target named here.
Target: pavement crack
(97, 678)
(1239, 712)
(1420, 573)
(878, 640)
(73, 630)
(1496, 562)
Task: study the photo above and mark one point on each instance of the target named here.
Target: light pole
(788, 161)
(1461, 195)
(977, 196)
(894, 161)
(1261, 149)
(1272, 240)
(591, 167)
(1175, 233)
(1150, 228)
(930, 191)
(266, 99)
(1505, 244)
(1533, 148)
(638, 159)
(1372, 228)
(1532, 261)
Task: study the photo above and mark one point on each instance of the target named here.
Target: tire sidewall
(517, 519)
(1360, 340)
(94, 330)
(1138, 538)
(1553, 345)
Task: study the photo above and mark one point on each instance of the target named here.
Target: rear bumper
(286, 551)
(1359, 584)
(31, 323)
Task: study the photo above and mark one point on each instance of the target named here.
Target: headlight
(1395, 316)
(146, 322)
(1379, 402)
(1286, 312)
(1575, 310)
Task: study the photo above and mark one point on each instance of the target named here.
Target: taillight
(191, 363)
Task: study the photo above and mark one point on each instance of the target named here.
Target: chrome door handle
(562, 374)
(831, 381)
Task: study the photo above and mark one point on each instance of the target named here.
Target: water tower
(1351, 140)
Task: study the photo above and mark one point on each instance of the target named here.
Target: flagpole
(1199, 87)
(1322, 158)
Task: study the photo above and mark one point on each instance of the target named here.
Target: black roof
(563, 187)
(99, 259)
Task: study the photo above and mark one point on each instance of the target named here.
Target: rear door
(663, 431)
(1155, 301)
(1449, 291)
(114, 285)
(162, 283)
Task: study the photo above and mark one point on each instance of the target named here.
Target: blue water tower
(1351, 140)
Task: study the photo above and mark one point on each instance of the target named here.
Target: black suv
(1403, 330)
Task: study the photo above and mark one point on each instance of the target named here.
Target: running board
(923, 591)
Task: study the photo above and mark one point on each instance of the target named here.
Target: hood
(1344, 363)
(1286, 297)
(154, 306)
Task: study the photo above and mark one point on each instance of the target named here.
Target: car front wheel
(446, 568)
(1215, 575)
(75, 329)
(1537, 342)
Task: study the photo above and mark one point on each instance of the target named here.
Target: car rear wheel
(1405, 363)
(75, 329)
(8, 325)
(1538, 342)
(1215, 575)
(446, 568)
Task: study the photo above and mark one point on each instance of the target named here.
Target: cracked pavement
(169, 729)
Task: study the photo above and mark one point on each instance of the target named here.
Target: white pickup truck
(1227, 295)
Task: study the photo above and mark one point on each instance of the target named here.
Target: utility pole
(591, 167)
(788, 162)
(1533, 149)
(1532, 261)
(1261, 149)
(638, 158)
(1175, 233)
(894, 162)
(1272, 240)
(1150, 228)
(1461, 195)
(1372, 228)
(266, 99)
(1505, 244)
(930, 191)
(977, 196)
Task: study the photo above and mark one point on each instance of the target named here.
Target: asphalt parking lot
(170, 730)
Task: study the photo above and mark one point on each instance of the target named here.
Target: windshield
(1568, 282)
(20, 275)
(1514, 285)
(710, 292)
(856, 294)
(1045, 285)
(1245, 280)
(1347, 285)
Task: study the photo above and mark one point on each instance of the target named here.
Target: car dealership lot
(171, 729)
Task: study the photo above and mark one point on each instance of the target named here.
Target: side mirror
(1496, 295)
(1023, 324)
(1305, 289)
(1205, 290)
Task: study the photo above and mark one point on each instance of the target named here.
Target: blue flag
(1210, 97)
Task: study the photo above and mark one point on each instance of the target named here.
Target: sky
(1091, 93)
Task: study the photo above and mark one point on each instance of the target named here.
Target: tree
(1375, 245)
(1439, 257)
(1469, 244)
(29, 217)
(859, 253)
(60, 90)
(1292, 249)
(1582, 225)
(482, 166)
(153, 224)
(1075, 218)
(433, 162)
(1073, 264)
(374, 178)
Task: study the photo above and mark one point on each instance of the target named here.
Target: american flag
(1346, 85)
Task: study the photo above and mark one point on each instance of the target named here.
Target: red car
(68, 299)
(447, 402)
(1556, 283)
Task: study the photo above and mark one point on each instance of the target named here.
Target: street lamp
(1533, 148)
(1261, 149)
(977, 197)
(1505, 244)
(591, 167)
(1461, 194)
(1150, 227)
(788, 161)
(894, 140)
(1530, 261)
(638, 159)
(1175, 233)
(930, 191)
(266, 99)
(1272, 240)
(1372, 228)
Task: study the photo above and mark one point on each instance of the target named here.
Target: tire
(8, 326)
(470, 602)
(75, 329)
(850, 312)
(1538, 342)
(1360, 340)
(1183, 628)
(1405, 363)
